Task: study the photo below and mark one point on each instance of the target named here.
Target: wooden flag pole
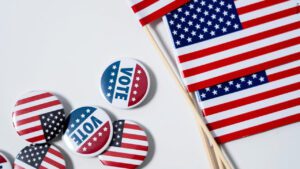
(199, 120)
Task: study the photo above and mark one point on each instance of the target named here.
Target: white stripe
(22, 164)
(240, 49)
(237, 35)
(39, 112)
(120, 160)
(283, 67)
(257, 121)
(135, 141)
(31, 93)
(35, 103)
(242, 3)
(130, 122)
(133, 2)
(243, 64)
(33, 134)
(28, 125)
(126, 150)
(132, 131)
(152, 8)
(55, 158)
(48, 165)
(252, 106)
(250, 92)
(266, 11)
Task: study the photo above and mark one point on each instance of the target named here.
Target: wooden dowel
(199, 120)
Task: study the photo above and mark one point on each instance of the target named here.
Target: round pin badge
(38, 116)
(89, 131)
(4, 162)
(40, 156)
(129, 146)
(125, 83)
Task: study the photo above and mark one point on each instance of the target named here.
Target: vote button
(125, 83)
(89, 131)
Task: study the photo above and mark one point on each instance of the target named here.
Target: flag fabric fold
(216, 40)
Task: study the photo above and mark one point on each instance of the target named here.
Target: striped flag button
(125, 83)
(89, 131)
(40, 156)
(129, 146)
(38, 116)
(4, 162)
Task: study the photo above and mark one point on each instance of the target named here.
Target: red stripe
(16, 166)
(254, 114)
(134, 136)
(258, 129)
(271, 17)
(124, 155)
(33, 98)
(252, 99)
(121, 165)
(56, 153)
(143, 4)
(36, 139)
(30, 130)
(282, 74)
(37, 107)
(242, 72)
(132, 126)
(241, 57)
(54, 163)
(258, 6)
(134, 146)
(28, 120)
(238, 42)
(42, 167)
(162, 11)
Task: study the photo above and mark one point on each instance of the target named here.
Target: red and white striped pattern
(150, 10)
(53, 159)
(27, 111)
(270, 37)
(133, 149)
(256, 109)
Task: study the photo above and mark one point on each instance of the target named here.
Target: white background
(62, 46)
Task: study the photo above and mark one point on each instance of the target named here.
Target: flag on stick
(218, 40)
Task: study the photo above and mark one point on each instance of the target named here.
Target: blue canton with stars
(77, 118)
(201, 20)
(108, 80)
(233, 86)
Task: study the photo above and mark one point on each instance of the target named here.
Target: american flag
(40, 156)
(4, 163)
(38, 117)
(219, 40)
(128, 148)
(150, 10)
(252, 104)
(89, 131)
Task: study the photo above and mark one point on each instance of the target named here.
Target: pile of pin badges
(38, 118)
(88, 131)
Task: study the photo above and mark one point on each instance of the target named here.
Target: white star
(186, 29)
(203, 95)
(171, 22)
(242, 79)
(113, 74)
(254, 76)
(177, 42)
(82, 116)
(224, 29)
(219, 85)
(261, 79)
(187, 13)
(77, 120)
(109, 87)
(139, 71)
(193, 33)
(89, 144)
(100, 134)
(137, 79)
(222, 3)
(189, 39)
(133, 99)
(226, 89)
(182, 19)
(215, 92)
(111, 80)
(84, 149)
(236, 26)
(114, 67)
(221, 20)
(203, 3)
(174, 32)
(108, 94)
(249, 82)
(206, 13)
(135, 92)
(95, 138)
(105, 129)
(197, 26)
(136, 85)
(202, 20)
(201, 36)
(238, 86)
(230, 83)
(212, 33)
(207, 89)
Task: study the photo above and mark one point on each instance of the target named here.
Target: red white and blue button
(129, 146)
(89, 131)
(40, 156)
(125, 83)
(4, 162)
(38, 116)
